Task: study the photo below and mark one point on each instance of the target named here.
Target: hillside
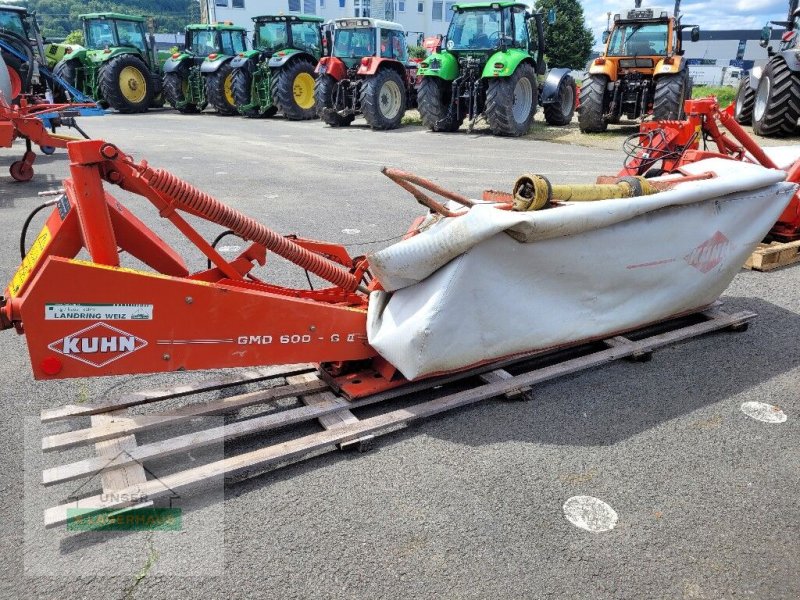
(59, 17)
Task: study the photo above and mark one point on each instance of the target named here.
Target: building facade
(419, 17)
(735, 47)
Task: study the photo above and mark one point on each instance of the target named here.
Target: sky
(722, 14)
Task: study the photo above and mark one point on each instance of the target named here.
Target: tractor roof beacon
(491, 64)
(202, 73)
(118, 66)
(770, 97)
(367, 72)
(278, 73)
(641, 70)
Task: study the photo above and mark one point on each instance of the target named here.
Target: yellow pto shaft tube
(533, 192)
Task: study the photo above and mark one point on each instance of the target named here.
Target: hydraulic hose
(202, 204)
(24, 233)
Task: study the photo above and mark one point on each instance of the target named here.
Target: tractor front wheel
(293, 90)
(126, 85)
(745, 100)
(383, 99)
(560, 112)
(175, 87)
(324, 93)
(243, 94)
(592, 109)
(219, 90)
(434, 103)
(777, 104)
(670, 95)
(511, 102)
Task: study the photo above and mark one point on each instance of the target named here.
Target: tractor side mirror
(606, 35)
(695, 34)
(551, 16)
(442, 43)
(766, 34)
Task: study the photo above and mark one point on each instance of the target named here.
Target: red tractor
(366, 72)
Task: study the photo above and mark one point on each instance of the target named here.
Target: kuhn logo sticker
(98, 344)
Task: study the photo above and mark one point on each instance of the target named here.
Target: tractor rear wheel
(511, 102)
(175, 87)
(560, 112)
(243, 93)
(126, 85)
(324, 91)
(219, 90)
(670, 95)
(777, 104)
(745, 100)
(293, 90)
(383, 99)
(593, 105)
(434, 104)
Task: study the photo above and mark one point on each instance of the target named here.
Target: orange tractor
(641, 71)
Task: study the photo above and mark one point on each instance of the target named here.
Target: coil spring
(209, 208)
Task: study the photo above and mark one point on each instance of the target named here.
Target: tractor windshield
(638, 39)
(11, 21)
(99, 34)
(272, 36)
(354, 43)
(203, 42)
(480, 29)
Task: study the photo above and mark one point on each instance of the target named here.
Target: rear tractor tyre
(670, 95)
(175, 87)
(511, 102)
(744, 102)
(243, 92)
(383, 99)
(219, 90)
(324, 90)
(592, 109)
(294, 90)
(777, 104)
(126, 85)
(66, 70)
(561, 111)
(433, 102)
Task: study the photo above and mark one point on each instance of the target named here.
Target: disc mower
(641, 70)
(278, 74)
(202, 73)
(491, 64)
(368, 72)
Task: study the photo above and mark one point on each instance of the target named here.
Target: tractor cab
(104, 31)
(206, 40)
(274, 33)
(15, 20)
(357, 39)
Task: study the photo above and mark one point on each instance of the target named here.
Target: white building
(428, 17)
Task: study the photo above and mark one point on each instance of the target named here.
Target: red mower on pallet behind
(663, 147)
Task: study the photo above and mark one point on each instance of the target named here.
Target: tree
(75, 37)
(568, 40)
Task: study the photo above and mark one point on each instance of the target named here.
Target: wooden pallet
(773, 256)
(119, 461)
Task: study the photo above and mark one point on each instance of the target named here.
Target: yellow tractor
(642, 70)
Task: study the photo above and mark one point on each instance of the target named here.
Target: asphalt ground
(466, 505)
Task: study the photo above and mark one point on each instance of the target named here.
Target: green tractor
(491, 64)
(278, 74)
(119, 66)
(203, 73)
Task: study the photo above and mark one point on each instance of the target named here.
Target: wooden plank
(330, 438)
(524, 393)
(141, 423)
(145, 397)
(773, 256)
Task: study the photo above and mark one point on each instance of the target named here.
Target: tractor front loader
(641, 71)
(278, 74)
(769, 97)
(119, 65)
(492, 63)
(202, 73)
(367, 73)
